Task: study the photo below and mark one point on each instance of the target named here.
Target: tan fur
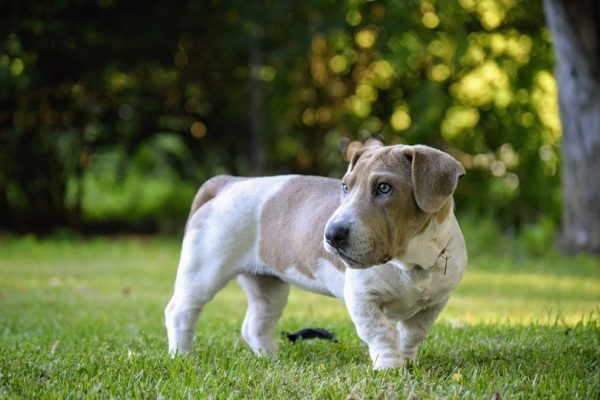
(445, 211)
(292, 235)
(209, 190)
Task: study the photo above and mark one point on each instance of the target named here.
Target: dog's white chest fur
(416, 290)
(403, 290)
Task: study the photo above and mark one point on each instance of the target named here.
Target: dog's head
(389, 194)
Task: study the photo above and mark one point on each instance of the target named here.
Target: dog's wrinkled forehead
(388, 159)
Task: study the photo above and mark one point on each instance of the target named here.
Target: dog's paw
(409, 354)
(175, 352)
(381, 364)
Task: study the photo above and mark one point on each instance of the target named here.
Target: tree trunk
(575, 27)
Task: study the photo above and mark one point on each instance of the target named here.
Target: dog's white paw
(384, 363)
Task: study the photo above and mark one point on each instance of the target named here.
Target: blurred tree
(471, 77)
(575, 27)
(64, 97)
(241, 87)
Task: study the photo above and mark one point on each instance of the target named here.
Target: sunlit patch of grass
(84, 319)
(521, 297)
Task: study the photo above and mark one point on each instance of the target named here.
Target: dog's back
(209, 190)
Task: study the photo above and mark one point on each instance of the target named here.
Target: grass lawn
(84, 319)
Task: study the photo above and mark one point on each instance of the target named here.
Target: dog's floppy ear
(355, 156)
(356, 149)
(434, 175)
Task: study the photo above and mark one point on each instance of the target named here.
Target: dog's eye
(344, 188)
(384, 188)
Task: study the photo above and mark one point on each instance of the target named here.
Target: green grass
(84, 319)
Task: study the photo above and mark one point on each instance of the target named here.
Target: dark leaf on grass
(310, 333)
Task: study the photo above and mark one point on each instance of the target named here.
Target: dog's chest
(410, 292)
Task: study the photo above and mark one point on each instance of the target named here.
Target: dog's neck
(427, 247)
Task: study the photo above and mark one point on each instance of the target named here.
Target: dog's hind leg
(267, 297)
(199, 278)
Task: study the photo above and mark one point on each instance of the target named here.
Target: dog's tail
(210, 189)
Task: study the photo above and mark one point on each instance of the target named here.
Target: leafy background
(113, 112)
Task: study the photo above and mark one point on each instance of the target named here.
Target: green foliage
(485, 236)
(538, 238)
(472, 77)
(147, 196)
(84, 319)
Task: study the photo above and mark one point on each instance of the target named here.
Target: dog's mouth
(348, 260)
(352, 262)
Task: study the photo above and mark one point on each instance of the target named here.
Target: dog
(384, 240)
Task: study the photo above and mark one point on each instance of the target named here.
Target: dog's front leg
(377, 332)
(413, 330)
(373, 327)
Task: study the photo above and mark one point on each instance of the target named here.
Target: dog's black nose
(337, 235)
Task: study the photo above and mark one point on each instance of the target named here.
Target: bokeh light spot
(498, 168)
(267, 73)
(366, 92)
(353, 18)
(338, 64)
(17, 67)
(366, 38)
(309, 117)
(359, 107)
(400, 119)
(430, 20)
(198, 130)
(512, 181)
(490, 20)
(467, 4)
(440, 72)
